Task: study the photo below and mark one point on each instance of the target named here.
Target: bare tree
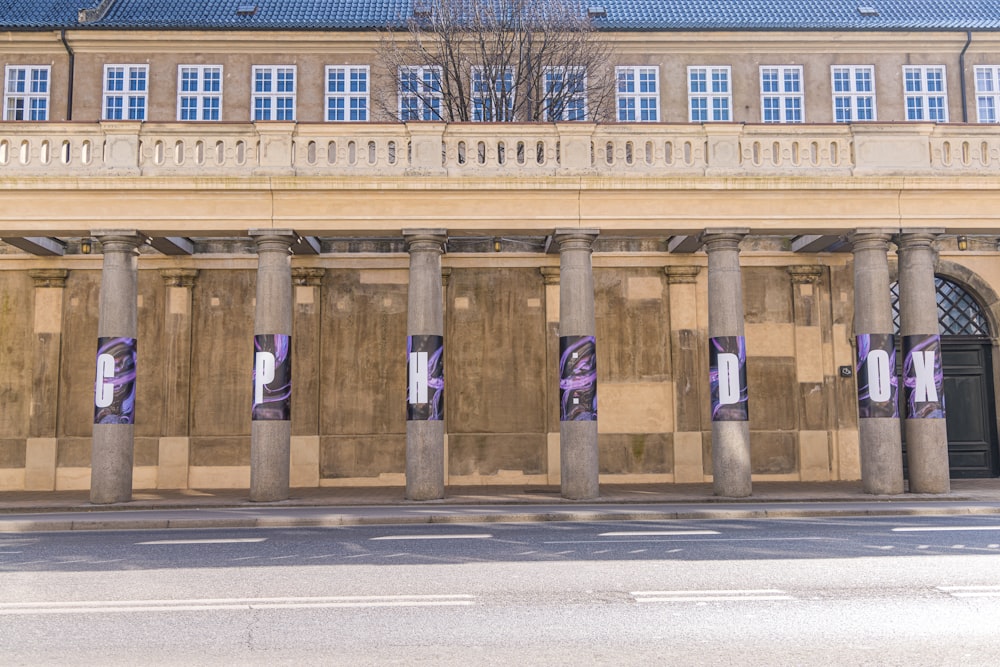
(498, 60)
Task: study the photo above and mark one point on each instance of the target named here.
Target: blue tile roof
(40, 14)
(627, 15)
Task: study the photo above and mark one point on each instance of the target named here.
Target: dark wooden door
(969, 408)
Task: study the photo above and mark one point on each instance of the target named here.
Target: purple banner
(577, 378)
(876, 372)
(923, 377)
(272, 377)
(114, 388)
(727, 378)
(425, 378)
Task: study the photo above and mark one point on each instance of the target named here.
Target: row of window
(782, 96)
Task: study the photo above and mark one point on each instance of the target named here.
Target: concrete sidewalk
(331, 506)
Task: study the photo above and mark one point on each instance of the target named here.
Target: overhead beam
(818, 243)
(684, 244)
(37, 245)
(173, 245)
(306, 245)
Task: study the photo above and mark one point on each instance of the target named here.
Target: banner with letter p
(272, 377)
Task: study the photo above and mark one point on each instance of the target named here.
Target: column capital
(802, 275)
(308, 276)
(119, 240)
(869, 238)
(723, 238)
(179, 277)
(425, 240)
(445, 276)
(273, 240)
(918, 237)
(550, 274)
(49, 277)
(573, 238)
(680, 275)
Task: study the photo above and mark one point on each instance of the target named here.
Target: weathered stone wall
(501, 342)
(16, 346)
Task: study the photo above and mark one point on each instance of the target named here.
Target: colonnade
(878, 405)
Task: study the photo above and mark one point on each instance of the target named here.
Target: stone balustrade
(494, 150)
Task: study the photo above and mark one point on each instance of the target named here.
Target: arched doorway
(967, 362)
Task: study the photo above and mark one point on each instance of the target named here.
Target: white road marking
(941, 529)
(468, 536)
(235, 540)
(710, 596)
(232, 604)
(710, 539)
(653, 533)
(971, 591)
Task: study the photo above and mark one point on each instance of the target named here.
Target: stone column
(923, 379)
(578, 452)
(685, 352)
(112, 447)
(40, 457)
(878, 413)
(727, 364)
(174, 446)
(306, 351)
(425, 365)
(271, 426)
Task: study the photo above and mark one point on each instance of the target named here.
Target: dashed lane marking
(467, 536)
(971, 591)
(757, 594)
(232, 604)
(235, 540)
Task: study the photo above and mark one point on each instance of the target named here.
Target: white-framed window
(420, 93)
(853, 93)
(987, 93)
(26, 92)
(638, 94)
(273, 95)
(347, 93)
(565, 93)
(925, 94)
(492, 100)
(710, 94)
(199, 92)
(781, 96)
(126, 91)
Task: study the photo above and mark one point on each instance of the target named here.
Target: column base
(424, 460)
(111, 463)
(881, 456)
(731, 459)
(269, 460)
(927, 455)
(579, 460)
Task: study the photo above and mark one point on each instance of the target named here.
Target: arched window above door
(958, 313)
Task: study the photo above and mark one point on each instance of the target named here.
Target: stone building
(281, 278)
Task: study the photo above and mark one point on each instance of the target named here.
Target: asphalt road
(852, 591)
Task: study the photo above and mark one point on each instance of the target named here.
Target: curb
(335, 519)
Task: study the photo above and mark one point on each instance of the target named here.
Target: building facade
(773, 255)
